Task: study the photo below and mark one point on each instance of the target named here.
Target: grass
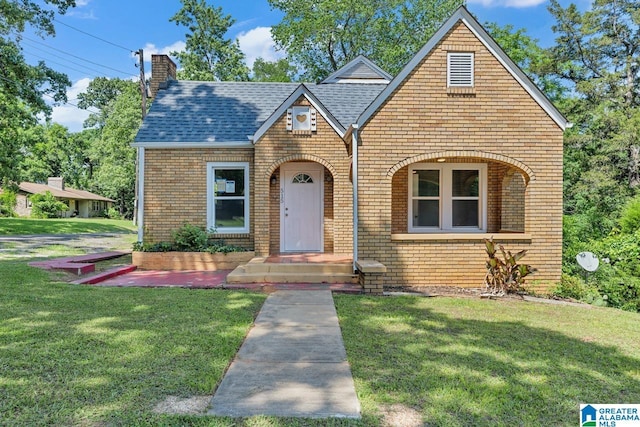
(80, 355)
(21, 226)
(75, 355)
(462, 362)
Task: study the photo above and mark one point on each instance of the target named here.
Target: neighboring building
(458, 147)
(80, 203)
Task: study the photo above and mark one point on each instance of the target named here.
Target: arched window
(302, 178)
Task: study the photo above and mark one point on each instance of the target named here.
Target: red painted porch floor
(212, 280)
(217, 279)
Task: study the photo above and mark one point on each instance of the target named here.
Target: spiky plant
(504, 275)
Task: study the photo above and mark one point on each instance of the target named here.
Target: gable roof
(67, 193)
(359, 70)
(463, 15)
(191, 113)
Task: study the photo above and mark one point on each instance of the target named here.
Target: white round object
(588, 260)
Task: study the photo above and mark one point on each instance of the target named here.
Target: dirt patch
(183, 406)
(400, 416)
(445, 291)
(436, 291)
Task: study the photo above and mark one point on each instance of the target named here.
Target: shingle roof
(67, 193)
(189, 111)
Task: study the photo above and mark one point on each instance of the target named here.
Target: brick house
(458, 147)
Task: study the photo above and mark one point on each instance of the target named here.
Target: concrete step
(239, 275)
(301, 268)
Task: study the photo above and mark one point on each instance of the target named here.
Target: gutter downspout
(354, 161)
(140, 194)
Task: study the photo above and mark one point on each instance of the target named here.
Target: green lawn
(471, 362)
(80, 355)
(18, 226)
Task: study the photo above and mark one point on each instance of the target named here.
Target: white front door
(301, 208)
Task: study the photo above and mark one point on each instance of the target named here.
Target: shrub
(504, 275)
(576, 288)
(190, 238)
(220, 247)
(619, 289)
(8, 200)
(630, 218)
(113, 213)
(46, 206)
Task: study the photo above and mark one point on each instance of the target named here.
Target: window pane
(426, 183)
(229, 182)
(302, 178)
(426, 213)
(465, 213)
(465, 183)
(229, 213)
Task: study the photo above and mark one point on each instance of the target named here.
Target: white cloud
(80, 3)
(68, 115)
(258, 43)
(152, 49)
(508, 3)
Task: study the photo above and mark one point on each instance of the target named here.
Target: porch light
(274, 180)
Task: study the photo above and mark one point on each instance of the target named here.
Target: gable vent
(460, 69)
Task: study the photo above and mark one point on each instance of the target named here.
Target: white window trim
(446, 197)
(211, 210)
(472, 70)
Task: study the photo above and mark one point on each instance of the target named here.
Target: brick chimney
(162, 70)
(56, 182)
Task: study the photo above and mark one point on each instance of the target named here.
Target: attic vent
(460, 69)
(301, 119)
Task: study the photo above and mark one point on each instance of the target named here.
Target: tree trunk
(634, 166)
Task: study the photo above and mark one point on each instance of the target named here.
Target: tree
(46, 206)
(56, 153)
(209, 55)
(320, 36)
(598, 53)
(276, 71)
(100, 94)
(23, 86)
(533, 60)
(597, 56)
(113, 157)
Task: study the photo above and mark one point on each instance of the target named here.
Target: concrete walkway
(292, 363)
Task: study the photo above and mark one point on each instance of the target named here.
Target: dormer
(359, 70)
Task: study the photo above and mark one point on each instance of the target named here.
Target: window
(228, 197)
(447, 197)
(302, 178)
(460, 69)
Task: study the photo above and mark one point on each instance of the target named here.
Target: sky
(144, 24)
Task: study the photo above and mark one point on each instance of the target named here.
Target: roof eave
(192, 144)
